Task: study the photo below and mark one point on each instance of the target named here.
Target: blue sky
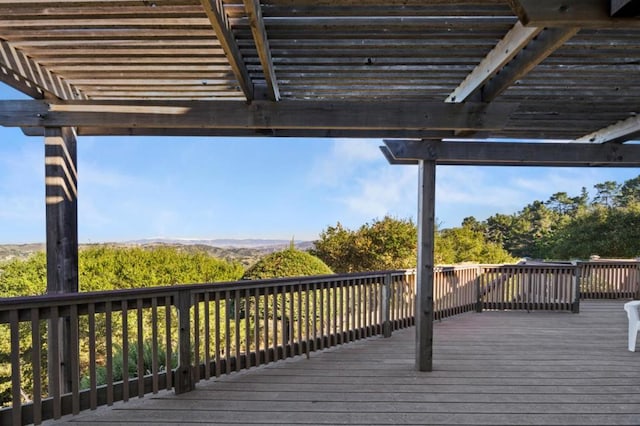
(132, 188)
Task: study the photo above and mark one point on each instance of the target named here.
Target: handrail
(197, 331)
(212, 328)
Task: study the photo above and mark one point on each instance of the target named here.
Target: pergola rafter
(254, 14)
(220, 23)
(513, 42)
(24, 74)
(621, 131)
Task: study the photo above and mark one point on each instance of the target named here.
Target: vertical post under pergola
(424, 285)
(62, 243)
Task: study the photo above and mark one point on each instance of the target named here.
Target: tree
(629, 192)
(458, 245)
(607, 193)
(473, 224)
(389, 243)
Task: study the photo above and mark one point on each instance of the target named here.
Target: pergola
(444, 81)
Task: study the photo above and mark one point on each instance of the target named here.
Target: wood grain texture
(494, 368)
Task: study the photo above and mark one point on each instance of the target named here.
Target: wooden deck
(493, 368)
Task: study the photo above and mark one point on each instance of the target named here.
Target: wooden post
(479, 304)
(575, 306)
(637, 280)
(386, 306)
(184, 381)
(62, 241)
(424, 287)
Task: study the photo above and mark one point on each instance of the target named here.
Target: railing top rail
(49, 300)
(529, 266)
(463, 267)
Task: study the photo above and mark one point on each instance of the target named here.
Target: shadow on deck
(497, 368)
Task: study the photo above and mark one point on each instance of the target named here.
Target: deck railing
(134, 342)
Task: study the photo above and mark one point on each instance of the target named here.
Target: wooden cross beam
(516, 153)
(264, 115)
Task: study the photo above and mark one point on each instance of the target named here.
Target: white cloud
(345, 159)
(387, 190)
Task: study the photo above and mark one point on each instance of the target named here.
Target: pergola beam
(254, 13)
(570, 13)
(511, 44)
(619, 132)
(295, 133)
(516, 154)
(396, 162)
(262, 115)
(220, 23)
(29, 77)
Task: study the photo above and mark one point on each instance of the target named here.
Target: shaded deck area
(497, 368)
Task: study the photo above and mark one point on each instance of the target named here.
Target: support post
(62, 242)
(424, 287)
(479, 304)
(575, 306)
(637, 294)
(184, 381)
(386, 306)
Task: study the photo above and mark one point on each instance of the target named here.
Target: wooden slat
(16, 397)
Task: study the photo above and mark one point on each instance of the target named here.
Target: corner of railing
(577, 273)
(183, 379)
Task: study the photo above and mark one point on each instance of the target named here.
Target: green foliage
(109, 268)
(565, 227)
(392, 243)
(384, 244)
(118, 364)
(468, 244)
(101, 268)
(287, 263)
(24, 277)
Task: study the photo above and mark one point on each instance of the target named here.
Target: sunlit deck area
(494, 367)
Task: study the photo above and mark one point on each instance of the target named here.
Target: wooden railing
(611, 279)
(129, 343)
(529, 287)
(134, 342)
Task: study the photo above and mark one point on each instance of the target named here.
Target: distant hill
(226, 243)
(247, 251)
(19, 251)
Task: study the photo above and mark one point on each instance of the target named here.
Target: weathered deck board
(498, 368)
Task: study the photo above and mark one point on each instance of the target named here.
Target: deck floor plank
(493, 368)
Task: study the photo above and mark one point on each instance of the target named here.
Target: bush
(287, 263)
